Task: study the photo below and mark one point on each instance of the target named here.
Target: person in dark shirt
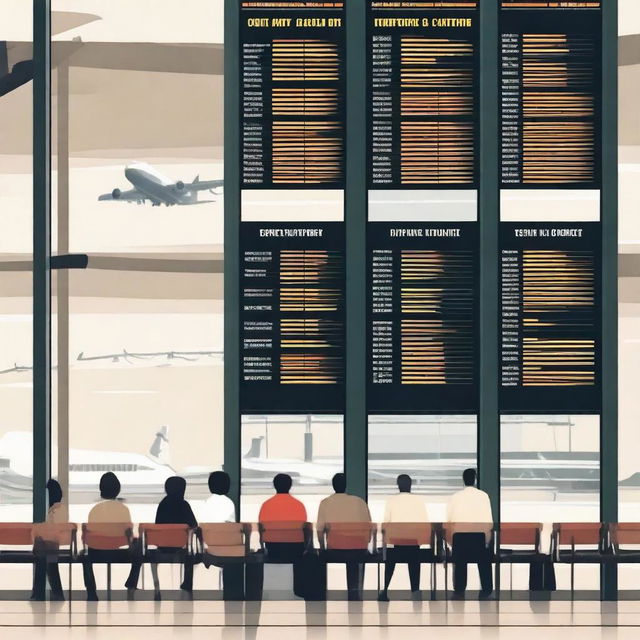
(174, 509)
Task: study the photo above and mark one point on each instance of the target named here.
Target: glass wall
(307, 447)
(16, 223)
(629, 276)
(433, 449)
(137, 181)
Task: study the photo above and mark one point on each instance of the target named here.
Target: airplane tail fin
(254, 449)
(196, 179)
(159, 450)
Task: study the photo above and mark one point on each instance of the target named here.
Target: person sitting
(174, 509)
(343, 507)
(58, 513)
(218, 507)
(283, 507)
(470, 505)
(110, 510)
(404, 507)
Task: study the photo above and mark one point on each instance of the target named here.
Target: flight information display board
(423, 329)
(422, 238)
(293, 112)
(423, 111)
(550, 111)
(550, 317)
(292, 242)
(292, 317)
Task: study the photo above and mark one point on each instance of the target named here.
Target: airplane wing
(197, 185)
(132, 195)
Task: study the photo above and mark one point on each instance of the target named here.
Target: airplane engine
(179, 185)
(115, 194)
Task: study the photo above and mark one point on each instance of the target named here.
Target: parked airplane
(142, 476)
(150, 184)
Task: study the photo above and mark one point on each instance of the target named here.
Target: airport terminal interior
(312, 238)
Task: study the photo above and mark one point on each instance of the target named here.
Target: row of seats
(221, 544)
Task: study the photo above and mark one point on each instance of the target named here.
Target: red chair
(525, 536)
(166, 544)
(591, 537)
(55, 543)
(109, 543)
(420, 534)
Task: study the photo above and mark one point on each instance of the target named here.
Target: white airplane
(142, 476)
(150, 184)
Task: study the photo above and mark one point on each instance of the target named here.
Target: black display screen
(292, 317)
(292, 95)
(550, 76)
(423, 318)
(550, 317)
(422, 95)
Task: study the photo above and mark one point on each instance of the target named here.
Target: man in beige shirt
(342, 507)
(470, 522)
(409, 508)
(110, 510)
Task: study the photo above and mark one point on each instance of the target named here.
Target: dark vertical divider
(609, 417)
(231, 247)
(489, 419)
(41, 256)
(355, 446)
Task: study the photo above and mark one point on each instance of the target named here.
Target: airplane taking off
(151, 185)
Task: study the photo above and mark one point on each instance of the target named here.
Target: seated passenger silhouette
(174, 509)
(343, 507)
(218, 507)
(110, 510)
(404, 507)
(283, 507)
(473, 507)
(58, 514)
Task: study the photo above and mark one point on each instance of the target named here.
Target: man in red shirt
(285, 545)
(282, 507)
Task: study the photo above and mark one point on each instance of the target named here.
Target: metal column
(355, 426)
(41, 256)
(609, 217)
(232, 435)
(489, 212)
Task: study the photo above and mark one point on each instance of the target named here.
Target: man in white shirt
(111, 510)
(218, 507)
(471, 509)
(404, 507)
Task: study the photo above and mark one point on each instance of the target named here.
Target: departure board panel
(292, 317)
(423, 322)
(423, 110)
(293, 112)
(550, 317)
(550, 75)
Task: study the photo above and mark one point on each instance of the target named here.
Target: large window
(16, 220)
(307, 447)
(433, 449)
(138, 136)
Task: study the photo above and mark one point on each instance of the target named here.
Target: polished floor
(314, 621)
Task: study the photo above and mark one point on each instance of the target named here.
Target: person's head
(175, 486)
(339, 483)
(55, 492)
(219, 483)
(109, 486)
(282, 483)
(469, 477)
(404, 483)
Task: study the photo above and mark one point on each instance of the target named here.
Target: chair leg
(511, 581)
(156, 580)
(70, 582)
(108, 581)
(572, 579)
